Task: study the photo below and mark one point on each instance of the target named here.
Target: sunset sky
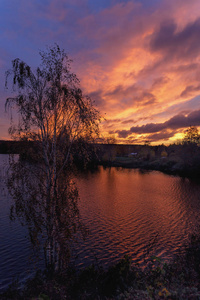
(138, 60)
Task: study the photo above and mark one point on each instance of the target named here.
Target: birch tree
(54, 113)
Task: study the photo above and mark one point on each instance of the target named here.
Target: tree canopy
(55, 114)
(192, 135)
(51, 105)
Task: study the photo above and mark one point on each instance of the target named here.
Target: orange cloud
(139, 62)
(147, 62)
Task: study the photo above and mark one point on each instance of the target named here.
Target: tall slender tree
(54, 113)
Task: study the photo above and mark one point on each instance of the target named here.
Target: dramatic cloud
(178, 121)
(188, 91)
(163, 131)
(164, 135)
(177, 44)
(123, 133)
(138, 60)
(128, 121)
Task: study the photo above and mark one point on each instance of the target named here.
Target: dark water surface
(133, 212)
(126, 211)
(17, 260)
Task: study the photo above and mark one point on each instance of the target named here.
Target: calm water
(126, 211)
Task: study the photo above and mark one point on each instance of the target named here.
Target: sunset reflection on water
(126, 211)
(133, 212)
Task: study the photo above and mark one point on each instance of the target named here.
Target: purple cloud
(176, 122)
(160, 130)
(179, 44)
(128, 121)
(189, 90)
(123, 133)
(132, 94)
(161, 135)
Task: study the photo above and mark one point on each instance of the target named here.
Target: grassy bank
(164, 165)
(179, 279)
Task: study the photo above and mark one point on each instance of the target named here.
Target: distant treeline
(17, 147)
(13, 147)
(126, 149)
(182, 159)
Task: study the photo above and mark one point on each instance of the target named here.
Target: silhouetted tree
(111, 152)
(147, 143)
(55, 114)
(191, 135)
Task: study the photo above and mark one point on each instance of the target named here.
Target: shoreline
(163, 165)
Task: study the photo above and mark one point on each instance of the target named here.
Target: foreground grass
(179, 279)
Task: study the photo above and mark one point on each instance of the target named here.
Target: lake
(126, 211)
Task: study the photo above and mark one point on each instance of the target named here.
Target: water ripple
(126, 212)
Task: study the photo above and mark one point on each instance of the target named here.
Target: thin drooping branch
(56, 116)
